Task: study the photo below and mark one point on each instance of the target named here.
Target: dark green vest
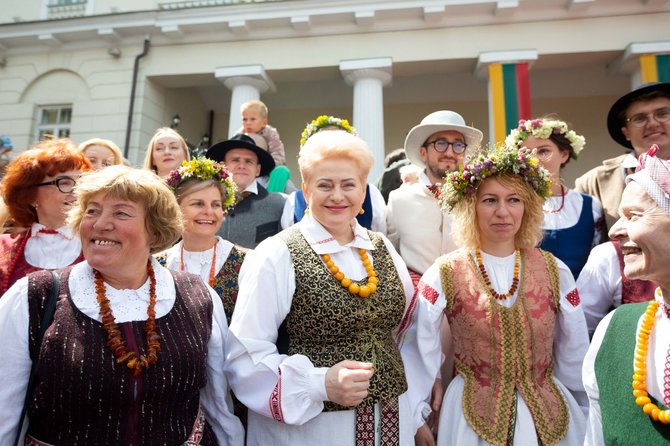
(328, 324)
(624, 423)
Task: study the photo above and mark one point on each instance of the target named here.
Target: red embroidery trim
(428, 292)
(275, 401)
(573, 297)
(326, 240)
(407, 319)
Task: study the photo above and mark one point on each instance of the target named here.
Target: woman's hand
(424, 437)
(347, 382)
(435, 404)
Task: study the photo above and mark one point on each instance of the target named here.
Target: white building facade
(119, 69)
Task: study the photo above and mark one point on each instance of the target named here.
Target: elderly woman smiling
(626, 368)
(312, 350)
(135, 352)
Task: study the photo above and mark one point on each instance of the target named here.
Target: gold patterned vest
(328, 324)
(498, 349)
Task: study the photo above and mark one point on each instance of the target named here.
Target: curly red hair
(47, 159)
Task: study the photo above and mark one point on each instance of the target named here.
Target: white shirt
(599, 284)
(199, 262)
(127, 305)
(51, 251)
(417, 226)
(267, 285)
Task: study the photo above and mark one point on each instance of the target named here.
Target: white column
(368, 77)
(246, 83)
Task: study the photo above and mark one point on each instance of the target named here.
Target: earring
(361, 212)
(306, 211)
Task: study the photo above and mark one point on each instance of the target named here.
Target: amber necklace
(212, 269)
(487, 281)
(560, 208)
(114, 340)
(362, 291)
(640, 368)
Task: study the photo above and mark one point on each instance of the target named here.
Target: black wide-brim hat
(614, 123)
(218, 151)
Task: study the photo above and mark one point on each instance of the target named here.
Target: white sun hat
(439, 121)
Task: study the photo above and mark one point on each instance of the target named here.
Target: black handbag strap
(47, 318)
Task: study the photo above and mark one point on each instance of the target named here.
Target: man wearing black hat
(637, 121)
(257, 213)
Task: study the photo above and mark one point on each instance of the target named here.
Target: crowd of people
(467, 297)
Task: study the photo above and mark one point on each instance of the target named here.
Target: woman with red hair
(38, 191)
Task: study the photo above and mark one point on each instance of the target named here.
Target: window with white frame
(53, 122)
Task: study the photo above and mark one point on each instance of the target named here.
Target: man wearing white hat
(416, 225)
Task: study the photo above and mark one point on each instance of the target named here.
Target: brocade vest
(623, 421)
(84, 397)
(328, 324)
(226, 282)
(499, 350)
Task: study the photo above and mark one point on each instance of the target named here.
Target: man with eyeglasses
(417, 227)
(637, 120)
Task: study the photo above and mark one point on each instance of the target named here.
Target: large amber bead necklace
(640, 368)
(363, 290)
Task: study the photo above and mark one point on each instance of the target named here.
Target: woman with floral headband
(205, 191)
(573, 222)
(513, 310)
(373, 213)
(312, 347)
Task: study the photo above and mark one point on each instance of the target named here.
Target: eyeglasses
(64, 184)
(441, 146)
(641, 119)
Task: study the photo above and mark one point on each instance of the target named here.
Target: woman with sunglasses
(38, 191)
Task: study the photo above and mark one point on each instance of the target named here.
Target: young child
(255, 120)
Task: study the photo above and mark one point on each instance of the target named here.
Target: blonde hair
(163, 131)
(465, 230)
(118, 157)
(336, 144)
(256, 105)
(163, 219)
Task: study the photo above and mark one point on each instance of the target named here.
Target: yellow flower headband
(325, 121)
(202, 169)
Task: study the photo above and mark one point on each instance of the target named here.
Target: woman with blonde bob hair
(517, 328)
(166, 150)
(312, 348)
(101, 152)
(144, 344)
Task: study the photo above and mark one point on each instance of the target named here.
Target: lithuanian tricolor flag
(655, 68)
(509, 97)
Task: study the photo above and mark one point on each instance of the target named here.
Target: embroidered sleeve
(428, 292)
(573, 297)
(275, 401)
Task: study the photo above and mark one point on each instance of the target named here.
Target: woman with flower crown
(373, 216)
(205, 191)
(135, 353)
(513, 310)
(312, 347)
(573, 222)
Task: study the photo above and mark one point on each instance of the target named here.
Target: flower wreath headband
(202, 169)
(497, 161)
(325, 121)
(543, 128)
